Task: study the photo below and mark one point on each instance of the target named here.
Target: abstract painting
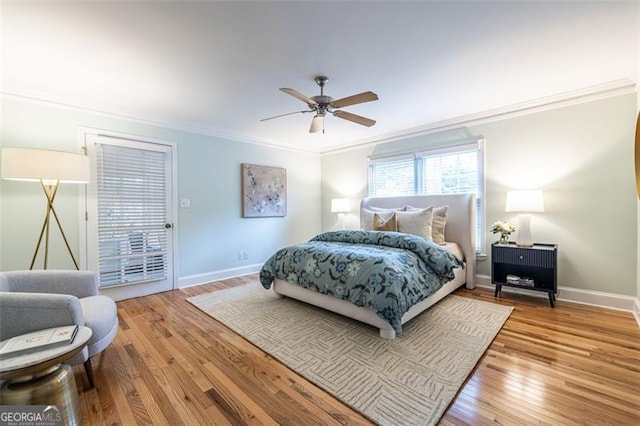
(264, 191)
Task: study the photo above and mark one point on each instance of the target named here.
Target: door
(130, 213)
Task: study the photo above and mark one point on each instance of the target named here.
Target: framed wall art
(264, 191)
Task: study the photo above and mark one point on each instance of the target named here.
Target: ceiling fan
(323, 104)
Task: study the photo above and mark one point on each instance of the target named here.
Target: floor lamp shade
(39, 164)
(524, 202)
(49, 168)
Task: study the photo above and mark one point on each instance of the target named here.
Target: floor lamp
(50, 169)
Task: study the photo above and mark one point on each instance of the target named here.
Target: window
(452, 170)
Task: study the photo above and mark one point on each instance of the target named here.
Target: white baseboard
(223, 274)
(602, 299)
(636, 310)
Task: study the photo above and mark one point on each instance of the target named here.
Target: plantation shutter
(391, 176)
(132, 214)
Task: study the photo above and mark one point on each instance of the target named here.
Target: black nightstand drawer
(525, 257)
(532, 268)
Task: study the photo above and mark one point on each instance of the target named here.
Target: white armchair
(34, 300)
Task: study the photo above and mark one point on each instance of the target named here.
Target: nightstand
(531, 268)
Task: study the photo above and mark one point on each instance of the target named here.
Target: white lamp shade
(530, 201)
(340, 205)
(37, 164)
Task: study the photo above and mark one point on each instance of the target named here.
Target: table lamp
(340, 206)
(50, 168)
(524, 202)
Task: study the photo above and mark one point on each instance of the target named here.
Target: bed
(459, 234)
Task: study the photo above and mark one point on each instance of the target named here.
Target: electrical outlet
(245, 255)
(240, 255)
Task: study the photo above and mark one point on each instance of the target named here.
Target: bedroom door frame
(87, 232)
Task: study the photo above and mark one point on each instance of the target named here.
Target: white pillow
(417, 222)
(438, 223)
(382, 209)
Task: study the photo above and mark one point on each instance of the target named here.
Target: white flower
(503, 228)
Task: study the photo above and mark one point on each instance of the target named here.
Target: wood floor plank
(127, 395)
(157, 385)
(238, 404)
(172, 364)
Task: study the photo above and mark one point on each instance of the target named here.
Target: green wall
(580, 155)
(210, 233)
(582, 158)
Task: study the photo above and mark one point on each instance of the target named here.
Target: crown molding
(587, 94)
(172, 125)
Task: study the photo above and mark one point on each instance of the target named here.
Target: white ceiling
(217, 66)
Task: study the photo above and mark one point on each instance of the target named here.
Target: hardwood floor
(173, 364)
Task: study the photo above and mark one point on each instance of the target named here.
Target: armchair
(34, 300)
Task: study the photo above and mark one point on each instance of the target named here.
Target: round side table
(41, 378)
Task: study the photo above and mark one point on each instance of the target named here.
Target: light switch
(185, 203)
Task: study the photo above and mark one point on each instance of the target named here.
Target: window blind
(132, 214)
(391, 176)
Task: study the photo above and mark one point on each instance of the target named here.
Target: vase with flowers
(504, 229)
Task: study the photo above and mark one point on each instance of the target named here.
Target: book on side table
(38, 341)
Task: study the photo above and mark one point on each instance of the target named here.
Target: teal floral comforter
(386, 271)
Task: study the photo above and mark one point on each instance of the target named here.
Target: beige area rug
(406, 381)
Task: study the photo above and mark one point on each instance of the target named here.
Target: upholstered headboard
(461, 221)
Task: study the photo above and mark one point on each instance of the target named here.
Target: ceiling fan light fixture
(321, 104)
(317, 123)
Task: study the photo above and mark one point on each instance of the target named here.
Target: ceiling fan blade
(284, 115)
(355, 118)
(355, 99)
(304, 98)
(317, 124)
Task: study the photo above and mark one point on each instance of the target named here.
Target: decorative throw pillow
(366, 216)
(381, 224)
(417, 222)
(438, 224)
